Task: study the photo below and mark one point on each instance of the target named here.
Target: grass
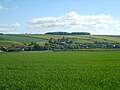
(6, 43)
(80, 38)
(66, 70)
(109, 38)
(20, 38)
(41, 39)
(47, 37)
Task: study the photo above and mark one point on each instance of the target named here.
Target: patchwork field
(21, 39)
(18, 39)
(47, 70)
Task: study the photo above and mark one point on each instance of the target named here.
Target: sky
(99, 17)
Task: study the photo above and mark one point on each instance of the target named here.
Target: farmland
(59, 62)
(27, 38)
(64, 70)
(39, 42)
(18, 39)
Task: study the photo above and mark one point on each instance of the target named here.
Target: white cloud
(6, 27)
(76, 22)
(2, 8)
(8, 8)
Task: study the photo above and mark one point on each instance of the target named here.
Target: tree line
(66, 33)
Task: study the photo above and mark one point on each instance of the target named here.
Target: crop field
(80, 38)
(21, 39)
(109, 38)
(47, 70)
(9, 43)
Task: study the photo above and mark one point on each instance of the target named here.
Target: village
(61, 44)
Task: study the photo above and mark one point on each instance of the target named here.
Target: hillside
(19, 39)
(79, 38)
(13, 42)
(28, 38)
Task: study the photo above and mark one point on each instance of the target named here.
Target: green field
(47, 70)
(80, 38)
(21, 39)
(7, 40)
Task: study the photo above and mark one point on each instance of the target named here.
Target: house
(1, 51)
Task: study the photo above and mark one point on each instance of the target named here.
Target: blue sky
(40, 16)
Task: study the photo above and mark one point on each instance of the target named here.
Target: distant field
(20, 39)
(9, 43)
(109, 38)
(60, 70)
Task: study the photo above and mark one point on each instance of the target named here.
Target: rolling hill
(21, 39)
